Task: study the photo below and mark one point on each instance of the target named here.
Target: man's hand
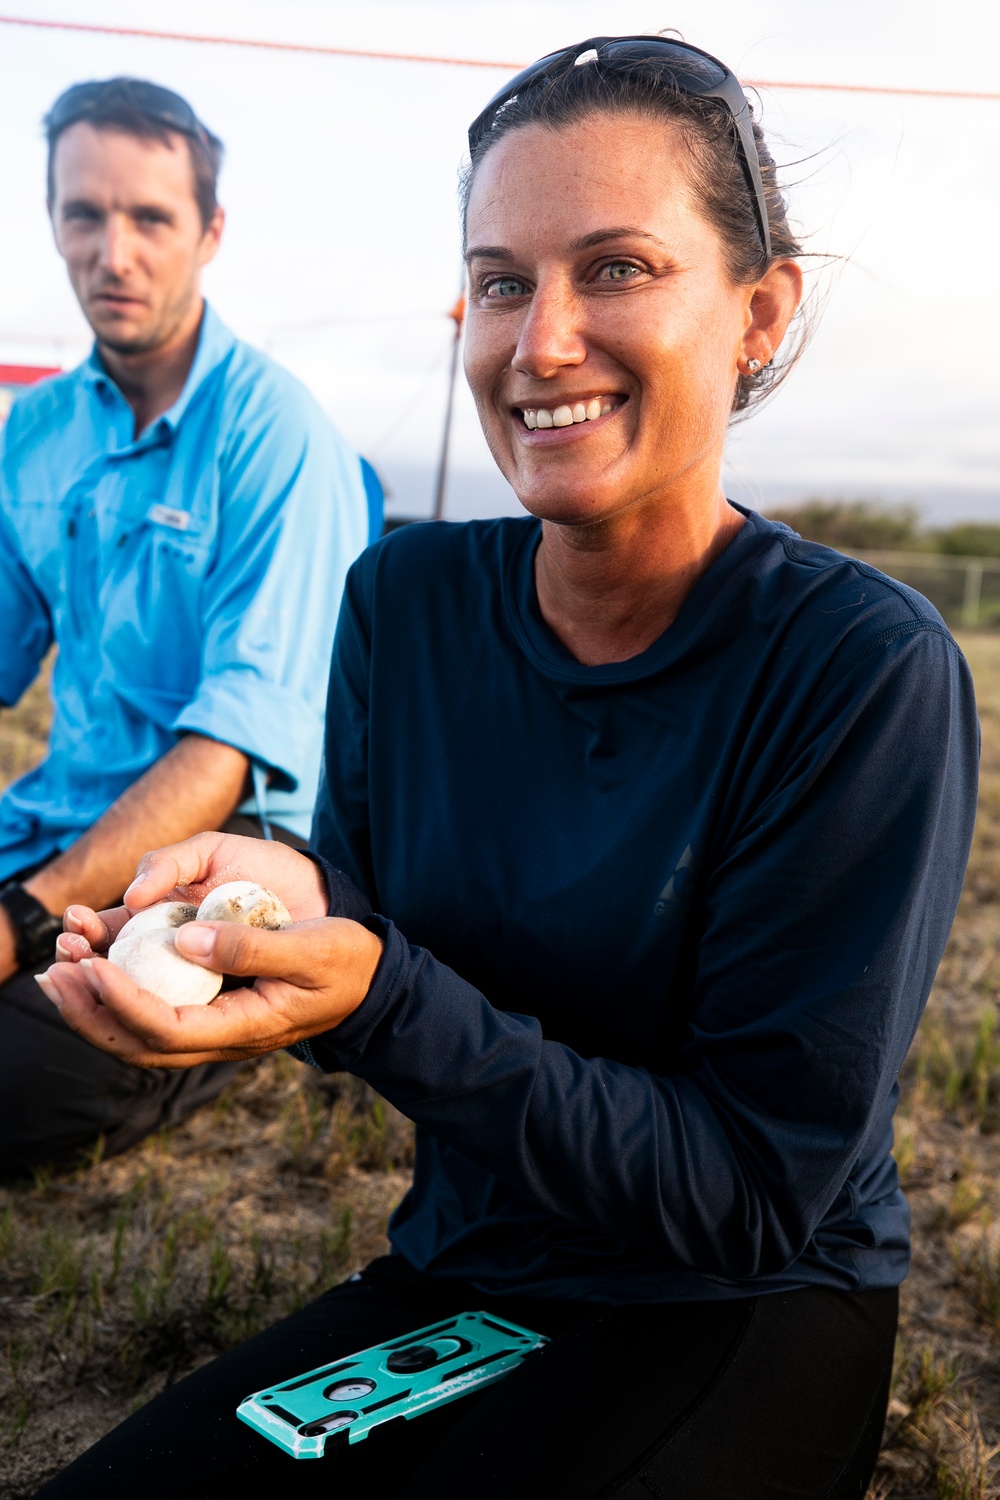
(197, 784)
(309, 978)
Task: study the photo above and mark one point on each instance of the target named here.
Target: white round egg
(151, 960)
(246, 902)
(153, 918)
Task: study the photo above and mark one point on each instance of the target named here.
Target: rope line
(243, 41)
(315, 49)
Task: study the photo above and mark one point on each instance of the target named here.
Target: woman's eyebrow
(489, 252)
(586, 242)
(622, 232)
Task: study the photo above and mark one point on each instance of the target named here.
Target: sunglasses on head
(690, 70)
(155, 103)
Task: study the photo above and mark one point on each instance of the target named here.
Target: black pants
(59, 1095)
(767, 1397)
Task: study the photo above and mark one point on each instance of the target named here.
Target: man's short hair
(137, 107)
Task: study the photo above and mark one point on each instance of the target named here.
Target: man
(177, 517)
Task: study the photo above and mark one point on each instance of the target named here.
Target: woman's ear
(772, 307)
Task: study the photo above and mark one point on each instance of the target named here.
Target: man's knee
(59, 1095)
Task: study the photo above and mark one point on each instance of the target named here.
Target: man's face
(127, 224)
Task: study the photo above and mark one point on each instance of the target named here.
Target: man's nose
(551, 336)
(116, 245)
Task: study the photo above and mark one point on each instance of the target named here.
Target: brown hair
(718, 177)
(128, 105)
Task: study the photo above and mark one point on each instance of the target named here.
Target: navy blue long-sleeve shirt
(659, 932)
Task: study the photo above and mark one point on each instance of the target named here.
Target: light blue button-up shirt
(190, 577)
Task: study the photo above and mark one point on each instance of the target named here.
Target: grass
(118, 1278)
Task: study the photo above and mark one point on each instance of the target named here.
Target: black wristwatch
(36, 927)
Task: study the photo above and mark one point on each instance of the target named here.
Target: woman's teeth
(565, 416)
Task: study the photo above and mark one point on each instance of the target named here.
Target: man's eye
(504, 286)
(81, 215)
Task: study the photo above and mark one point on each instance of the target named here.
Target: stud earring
(754, 366)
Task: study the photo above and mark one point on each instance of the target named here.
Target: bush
(968, 539)
(855, 526)
(869, 525)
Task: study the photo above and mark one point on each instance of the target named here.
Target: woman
(664, 813)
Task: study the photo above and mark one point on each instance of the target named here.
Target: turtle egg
(163, 914)
(151, 959)
(244, 901)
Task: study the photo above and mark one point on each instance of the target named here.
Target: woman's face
(598, 291)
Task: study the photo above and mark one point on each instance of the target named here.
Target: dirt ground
(118, 1278)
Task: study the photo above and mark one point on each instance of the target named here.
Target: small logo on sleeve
(677, 888)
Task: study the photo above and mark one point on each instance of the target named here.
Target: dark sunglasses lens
(162, 103)
(519, 80)
(73, 102)
(689, 70)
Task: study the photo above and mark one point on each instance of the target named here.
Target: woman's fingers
(70, 948)
(81, 1008)
(97, 928)
(321, 955)
(308, 979)
(187, 871)
(109, 1010)
(177, 867)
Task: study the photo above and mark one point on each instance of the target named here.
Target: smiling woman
(673, 810)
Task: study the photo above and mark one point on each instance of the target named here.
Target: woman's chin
(564, 507)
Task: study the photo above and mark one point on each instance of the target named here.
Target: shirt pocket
(152, 607)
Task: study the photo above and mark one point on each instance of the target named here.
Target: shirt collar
(214, 344)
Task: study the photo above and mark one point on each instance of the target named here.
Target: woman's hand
(309, 978)
(187, 872)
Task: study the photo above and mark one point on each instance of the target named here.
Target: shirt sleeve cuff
(263, 719)
(342, 1046)
(345, 900)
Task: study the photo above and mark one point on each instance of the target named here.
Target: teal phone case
(343, 1401)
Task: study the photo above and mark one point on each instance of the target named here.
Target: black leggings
(59, 1095)
(754, 1399)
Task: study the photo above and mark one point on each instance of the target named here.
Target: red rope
(457, 62)
(243, 41)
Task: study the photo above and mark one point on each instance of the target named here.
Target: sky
(341, 255)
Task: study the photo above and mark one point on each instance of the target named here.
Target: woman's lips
(565, 421)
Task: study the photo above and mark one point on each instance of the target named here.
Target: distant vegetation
(867, 525)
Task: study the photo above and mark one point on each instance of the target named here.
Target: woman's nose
(551, 336)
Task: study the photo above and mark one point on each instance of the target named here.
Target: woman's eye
(504, 286)
(619, 270)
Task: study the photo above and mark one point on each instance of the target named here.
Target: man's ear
(212, 237)
(50, 209)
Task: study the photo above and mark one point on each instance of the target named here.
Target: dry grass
(120, 1278)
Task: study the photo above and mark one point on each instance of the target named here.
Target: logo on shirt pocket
(165, 515)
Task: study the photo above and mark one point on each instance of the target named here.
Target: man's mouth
(117, 299)
(566, 414)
